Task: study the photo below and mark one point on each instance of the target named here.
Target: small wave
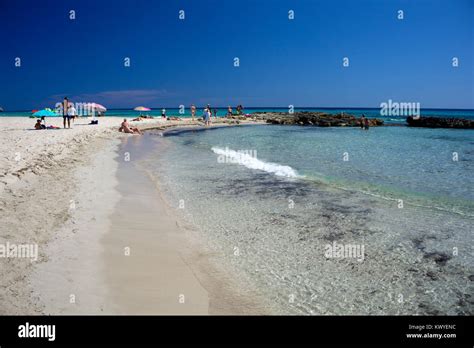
(249, 161)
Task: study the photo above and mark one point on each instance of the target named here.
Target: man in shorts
(66, 117)
(71, 113)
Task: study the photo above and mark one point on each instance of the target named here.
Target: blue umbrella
(45, 112)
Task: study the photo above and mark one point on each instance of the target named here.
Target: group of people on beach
(68, 112)
(208, 112)
(206, 115)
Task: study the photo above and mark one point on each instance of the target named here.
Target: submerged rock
(321, 119)
(438, 257)
(439, 122)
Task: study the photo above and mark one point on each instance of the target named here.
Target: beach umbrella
(141, 108)
(44, 113)
(98, 107)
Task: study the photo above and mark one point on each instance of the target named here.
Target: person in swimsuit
(39, 125)
(193, 111)
(366, 124)
(65, 107)
(126, 128)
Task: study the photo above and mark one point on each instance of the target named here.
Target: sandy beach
(107, 242)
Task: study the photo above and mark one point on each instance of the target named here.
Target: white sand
(58, 190)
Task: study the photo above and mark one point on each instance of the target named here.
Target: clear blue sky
(282, 62)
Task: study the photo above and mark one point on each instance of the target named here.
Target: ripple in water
(417, 260)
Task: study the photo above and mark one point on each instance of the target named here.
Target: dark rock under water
(319, 119)
(440, 122)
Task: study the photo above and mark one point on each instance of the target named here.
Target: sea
(329, 221)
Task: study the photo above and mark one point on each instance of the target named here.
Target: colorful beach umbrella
(98, 107)
(141, 108)
(45, 113)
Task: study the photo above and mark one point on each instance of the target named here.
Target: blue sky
(282, 61)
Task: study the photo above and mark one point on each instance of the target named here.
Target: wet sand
(152, 263)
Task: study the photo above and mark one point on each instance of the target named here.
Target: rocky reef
(439, 122)
(320, 119)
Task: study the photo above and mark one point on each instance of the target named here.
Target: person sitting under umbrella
(39, 125)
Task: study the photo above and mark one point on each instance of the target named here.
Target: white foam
(249, 161)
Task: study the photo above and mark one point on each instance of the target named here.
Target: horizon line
(268, 107)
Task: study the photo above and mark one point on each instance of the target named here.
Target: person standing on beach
(206, 117)
(71, 113)
(362, 122)
(209, 114)
(240, 109)
(65, 107)
(193, 111)
(163, 113)
(229, 111)
(366, 124)
(215, 113)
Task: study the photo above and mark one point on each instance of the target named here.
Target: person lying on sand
(126, 128)
(139, 118)
(173, 118)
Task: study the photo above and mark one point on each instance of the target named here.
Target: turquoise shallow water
(422, 166)
(279, 195)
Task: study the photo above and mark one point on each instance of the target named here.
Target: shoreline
(50, 196)
(165, 250)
